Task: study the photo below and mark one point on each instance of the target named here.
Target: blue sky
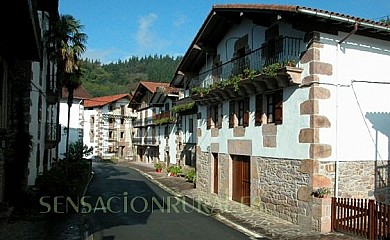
(119, 29)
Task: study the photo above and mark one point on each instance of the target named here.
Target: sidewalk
(254, 223)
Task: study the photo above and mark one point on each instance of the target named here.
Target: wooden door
(241, 179)
(215, 156)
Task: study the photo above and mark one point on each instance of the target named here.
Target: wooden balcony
(51, 135)
(167, 117)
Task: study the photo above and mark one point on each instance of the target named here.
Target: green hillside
(123, 76)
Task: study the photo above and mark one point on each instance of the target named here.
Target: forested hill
(123, 76)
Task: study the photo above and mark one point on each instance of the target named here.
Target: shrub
(191, 175)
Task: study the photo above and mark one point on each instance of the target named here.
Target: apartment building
(286, 106)
(108, 127)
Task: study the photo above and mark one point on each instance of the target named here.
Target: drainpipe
(337, 172)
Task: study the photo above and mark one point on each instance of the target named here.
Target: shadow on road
(117, 198)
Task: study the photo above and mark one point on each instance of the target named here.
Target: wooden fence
(362, 217)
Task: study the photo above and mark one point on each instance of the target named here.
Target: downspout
(337, 172)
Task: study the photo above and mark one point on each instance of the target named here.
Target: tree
(385, 20)
(65, 44)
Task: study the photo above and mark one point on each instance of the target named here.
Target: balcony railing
(280, 50)
(150, 140)
(52, 131)
(145, 140)
(139, 122)
(167, 114)
(137, 140)
(52, 135)
(149, 121)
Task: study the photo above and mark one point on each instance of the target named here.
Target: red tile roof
(79, 93)
(152, 86)
(101, 101)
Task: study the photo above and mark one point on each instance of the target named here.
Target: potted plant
(158, 167)
(191, 176)
(321, 192)
(175, 170)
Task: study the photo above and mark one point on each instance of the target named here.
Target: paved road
(123, 204)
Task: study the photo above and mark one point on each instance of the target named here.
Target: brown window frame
(239, 109)
(259, 110)
(275, 107)
(214, 116)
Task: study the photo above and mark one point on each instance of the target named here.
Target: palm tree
(65, 44)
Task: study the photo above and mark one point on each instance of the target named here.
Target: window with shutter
(209, 117)
(259, 110)
(231, 114)
(220, 116)
(278, 103)
(246, 112)
(275, 108)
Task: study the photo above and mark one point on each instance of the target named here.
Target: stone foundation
(203, 170)
(223, 184)
(274, 188)
(283, 187)
(360, 179)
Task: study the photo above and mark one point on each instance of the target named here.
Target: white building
(108, 127)
(290, 99)
(44, 108)
(76, 120)
(154, 136)
(28, 99)
(164, 121)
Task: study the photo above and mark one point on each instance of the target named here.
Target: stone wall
(274, 188)
(223, 184)
(203, 170)
(357, 179)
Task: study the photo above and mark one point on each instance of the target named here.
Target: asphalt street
(123, 204)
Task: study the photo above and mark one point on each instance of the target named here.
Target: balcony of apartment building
(52, 93)
(146, 141)
(139, 122)
(122, 142)
(151, 141)
(52, 135)
(149, 121)
(138, 140)
(112, 136)
(272, 66)
(166, 117)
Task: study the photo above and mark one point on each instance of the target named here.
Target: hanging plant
(164, 120)
(183, 107)
(271, 70)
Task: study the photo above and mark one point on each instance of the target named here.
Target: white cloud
(145, 34)
(147, 38)
(179, 21)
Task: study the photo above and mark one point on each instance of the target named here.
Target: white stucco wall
(38, 138)
(88, 126)
(189, 137)
(359, 106)
(288, 145)
(75, 123)
(48, 115)
(102, 124)
(287, 141)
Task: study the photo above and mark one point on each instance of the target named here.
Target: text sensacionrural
(118, 204)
